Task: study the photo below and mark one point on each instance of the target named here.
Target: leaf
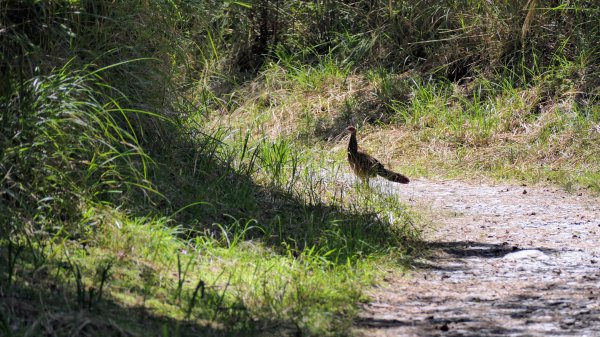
(243, 4)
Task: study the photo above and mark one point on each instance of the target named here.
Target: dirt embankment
(505, 261)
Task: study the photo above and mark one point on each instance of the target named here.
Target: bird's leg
(364, 182)
(361, 181)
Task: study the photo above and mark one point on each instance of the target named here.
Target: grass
(179, 167)
(228, 284)
(296, 263)
(488, 128)
(257, 237)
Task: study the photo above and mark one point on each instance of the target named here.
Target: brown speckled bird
(365, 166)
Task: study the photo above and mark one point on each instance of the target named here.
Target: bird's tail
(393, 176)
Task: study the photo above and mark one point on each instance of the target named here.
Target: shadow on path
(466, 249)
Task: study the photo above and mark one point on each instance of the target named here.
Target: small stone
(526, 254)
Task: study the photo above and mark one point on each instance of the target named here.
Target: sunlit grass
(490, 128)
(232, 211)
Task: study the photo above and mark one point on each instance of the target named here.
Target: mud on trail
(503, 261)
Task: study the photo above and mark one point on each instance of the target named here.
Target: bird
(365, 166)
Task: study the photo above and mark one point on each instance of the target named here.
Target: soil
(503, 261)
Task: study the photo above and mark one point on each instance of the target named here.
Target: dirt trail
(506, 261)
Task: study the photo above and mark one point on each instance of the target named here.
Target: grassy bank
(179, 167)
(216, 231)
(480, 130)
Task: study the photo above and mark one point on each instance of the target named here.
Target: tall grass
(228, 210)
(69, 140)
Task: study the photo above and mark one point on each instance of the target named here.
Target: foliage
(182, 160)
(64, 141)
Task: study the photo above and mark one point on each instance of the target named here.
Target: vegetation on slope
(178, 167)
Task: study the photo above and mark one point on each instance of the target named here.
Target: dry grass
(516, 135)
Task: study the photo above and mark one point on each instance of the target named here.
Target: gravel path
(505, 261)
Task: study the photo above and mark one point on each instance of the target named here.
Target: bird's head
(351, 129)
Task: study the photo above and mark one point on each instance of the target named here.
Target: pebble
(526, 254)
